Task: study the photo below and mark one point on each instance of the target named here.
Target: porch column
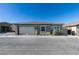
(35, 30)
(38, 30)
(45, 30)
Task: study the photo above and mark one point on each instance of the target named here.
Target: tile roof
(5, 24)
(38, 23)
(72, 24)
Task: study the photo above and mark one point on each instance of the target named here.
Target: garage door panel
(26, 30)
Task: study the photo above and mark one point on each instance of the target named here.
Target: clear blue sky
(45, 12)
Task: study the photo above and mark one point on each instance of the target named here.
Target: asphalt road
(39, 45)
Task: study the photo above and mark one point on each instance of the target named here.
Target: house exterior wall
(72, 28)
(77, 29)
(36, 30)
(44, 32)
(56, 28)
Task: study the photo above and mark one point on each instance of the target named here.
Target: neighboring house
(36, 28)
(72, 28)
(4, 27)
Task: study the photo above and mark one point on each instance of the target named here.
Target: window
(37, 28)
(48, 28)
(54, 28)
(57, 28)
(42, 28)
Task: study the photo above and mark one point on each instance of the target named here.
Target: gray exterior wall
(37, 28)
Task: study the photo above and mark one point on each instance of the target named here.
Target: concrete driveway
(39, 45)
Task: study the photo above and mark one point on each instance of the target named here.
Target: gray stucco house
(5, 27)
(36, 28)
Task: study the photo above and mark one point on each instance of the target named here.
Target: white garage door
(26, 30)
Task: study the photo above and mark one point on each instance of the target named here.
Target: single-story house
(72, 28)
(36, 28)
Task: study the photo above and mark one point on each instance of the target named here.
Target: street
(39, 45)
